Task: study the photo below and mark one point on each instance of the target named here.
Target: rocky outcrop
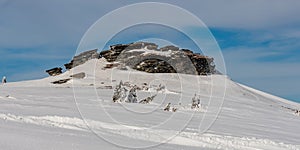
(115, 50)
(82, 58)
(203, 64)
(169, 47)
(144, 56)
(54, 71)
(147, 57)
(111, 65)
(62, 81)
(112, 54)
(154, 66)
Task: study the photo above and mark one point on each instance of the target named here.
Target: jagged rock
(147, 100)
(69, 65)
(80, 75)
(54, 71)
(61, 81)
(172, 61)
(115, 50)
(141, 45)
(82, 58)
(203, 64)
(168, 59)
(154, 66)
(169, 47)
(111, 65)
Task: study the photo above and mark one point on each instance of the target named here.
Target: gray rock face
(169, 47)
(82, 58)
(154, 66)
(203, 64)
(168, 59)
(147, 57)
(115, 50)
(54, 71)
(62, 81)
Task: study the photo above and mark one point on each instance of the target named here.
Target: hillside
(80, 114)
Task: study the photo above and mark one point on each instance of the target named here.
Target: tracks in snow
(153, 135)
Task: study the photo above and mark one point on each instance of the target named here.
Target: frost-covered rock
(132, 97)
(147, 57)
(147, 100)
(196, 102)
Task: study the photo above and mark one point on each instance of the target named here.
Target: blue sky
(260, 40)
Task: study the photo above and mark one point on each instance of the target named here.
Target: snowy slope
(80, 114)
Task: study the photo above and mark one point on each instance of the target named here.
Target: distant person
(4, 79)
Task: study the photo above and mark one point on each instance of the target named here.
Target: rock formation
(144, 56)
(147, 57)
(82, 58)
(62, 81)
(54, 71)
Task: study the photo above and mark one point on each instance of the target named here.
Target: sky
(259, 39)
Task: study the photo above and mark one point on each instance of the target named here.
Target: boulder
(62, 81)
(54, 71)
(169, 47)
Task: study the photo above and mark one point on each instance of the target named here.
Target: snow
(80, 114)
(146, 51)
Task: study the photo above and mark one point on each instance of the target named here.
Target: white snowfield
(80, 114)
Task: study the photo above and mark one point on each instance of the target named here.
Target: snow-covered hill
(80, 114)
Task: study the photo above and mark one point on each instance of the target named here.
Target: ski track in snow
(195, 139)
(250, 119)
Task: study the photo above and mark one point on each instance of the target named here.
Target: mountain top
(147, 57)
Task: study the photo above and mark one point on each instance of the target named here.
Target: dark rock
(154, 66)
(168, 59)
(119, 47)
(111, 65)
(115, 50)
(141, 45)
(69, 65)
(82, 58)
(54, 71)
(62, 81)
(203, 64)
(179, 61)
(147, 100)
(169, 47)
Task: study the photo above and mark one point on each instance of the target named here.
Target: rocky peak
(147, 57)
